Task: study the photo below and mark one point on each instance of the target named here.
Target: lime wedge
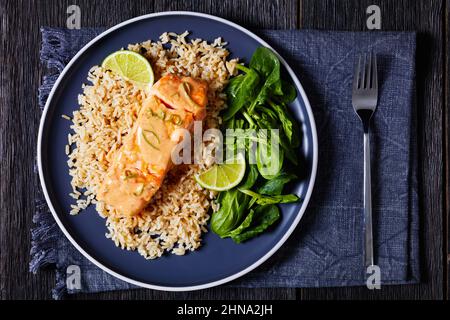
(131, 66)
(224, 176)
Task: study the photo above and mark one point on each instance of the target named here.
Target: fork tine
(369, 72)
(374, 73)
(363, 70)
(356, 75)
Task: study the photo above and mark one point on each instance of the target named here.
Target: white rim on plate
(268, 254)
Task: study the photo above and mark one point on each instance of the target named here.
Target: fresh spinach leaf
(269, 158)
(275, 186)
(289, 92)
(241, 90)
(289, 125)
(250, 179)
(262, 199)
(266, 63)
(245, 224)
(262, 218)
(264, 123)
(289, 151)
(233, 206)
(269, 113)
(234, 86)
(266, 118)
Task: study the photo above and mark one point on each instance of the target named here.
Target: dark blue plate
(218, 260)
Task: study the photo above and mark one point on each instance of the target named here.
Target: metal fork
(364, 100)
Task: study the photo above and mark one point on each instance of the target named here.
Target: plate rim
(237, 274)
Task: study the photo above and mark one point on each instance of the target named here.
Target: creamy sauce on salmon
(141, 164)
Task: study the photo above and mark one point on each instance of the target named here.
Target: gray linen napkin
(326, 248)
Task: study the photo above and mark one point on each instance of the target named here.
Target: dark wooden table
(21, 75)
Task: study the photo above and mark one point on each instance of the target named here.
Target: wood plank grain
(266, 14)
(426, 17)
(218, 293)
(19, 121)
(447, 140)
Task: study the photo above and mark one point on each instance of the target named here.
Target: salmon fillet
(141, 164)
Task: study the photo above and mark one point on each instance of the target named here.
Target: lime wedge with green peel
(224, 176)
(131, 66)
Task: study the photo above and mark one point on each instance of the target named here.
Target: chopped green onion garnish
(154, 134)
(176, 119)
(150, 112)
(146, 139)
(161, 114)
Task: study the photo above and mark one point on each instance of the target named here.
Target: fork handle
(368, 253)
